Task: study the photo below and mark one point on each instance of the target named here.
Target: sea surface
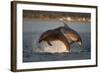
(30, 35)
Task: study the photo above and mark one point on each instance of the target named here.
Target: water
(77, 53)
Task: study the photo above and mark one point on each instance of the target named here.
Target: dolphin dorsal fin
(66, 25)
(63, 20)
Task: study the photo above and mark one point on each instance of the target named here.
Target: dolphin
(53, 35)
(65, 34)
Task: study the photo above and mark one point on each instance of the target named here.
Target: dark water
(77, 53)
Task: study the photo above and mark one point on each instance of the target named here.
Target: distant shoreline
(82, 22)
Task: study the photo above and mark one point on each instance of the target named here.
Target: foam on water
(57, 46)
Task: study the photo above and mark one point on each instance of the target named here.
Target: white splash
(57, 47)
